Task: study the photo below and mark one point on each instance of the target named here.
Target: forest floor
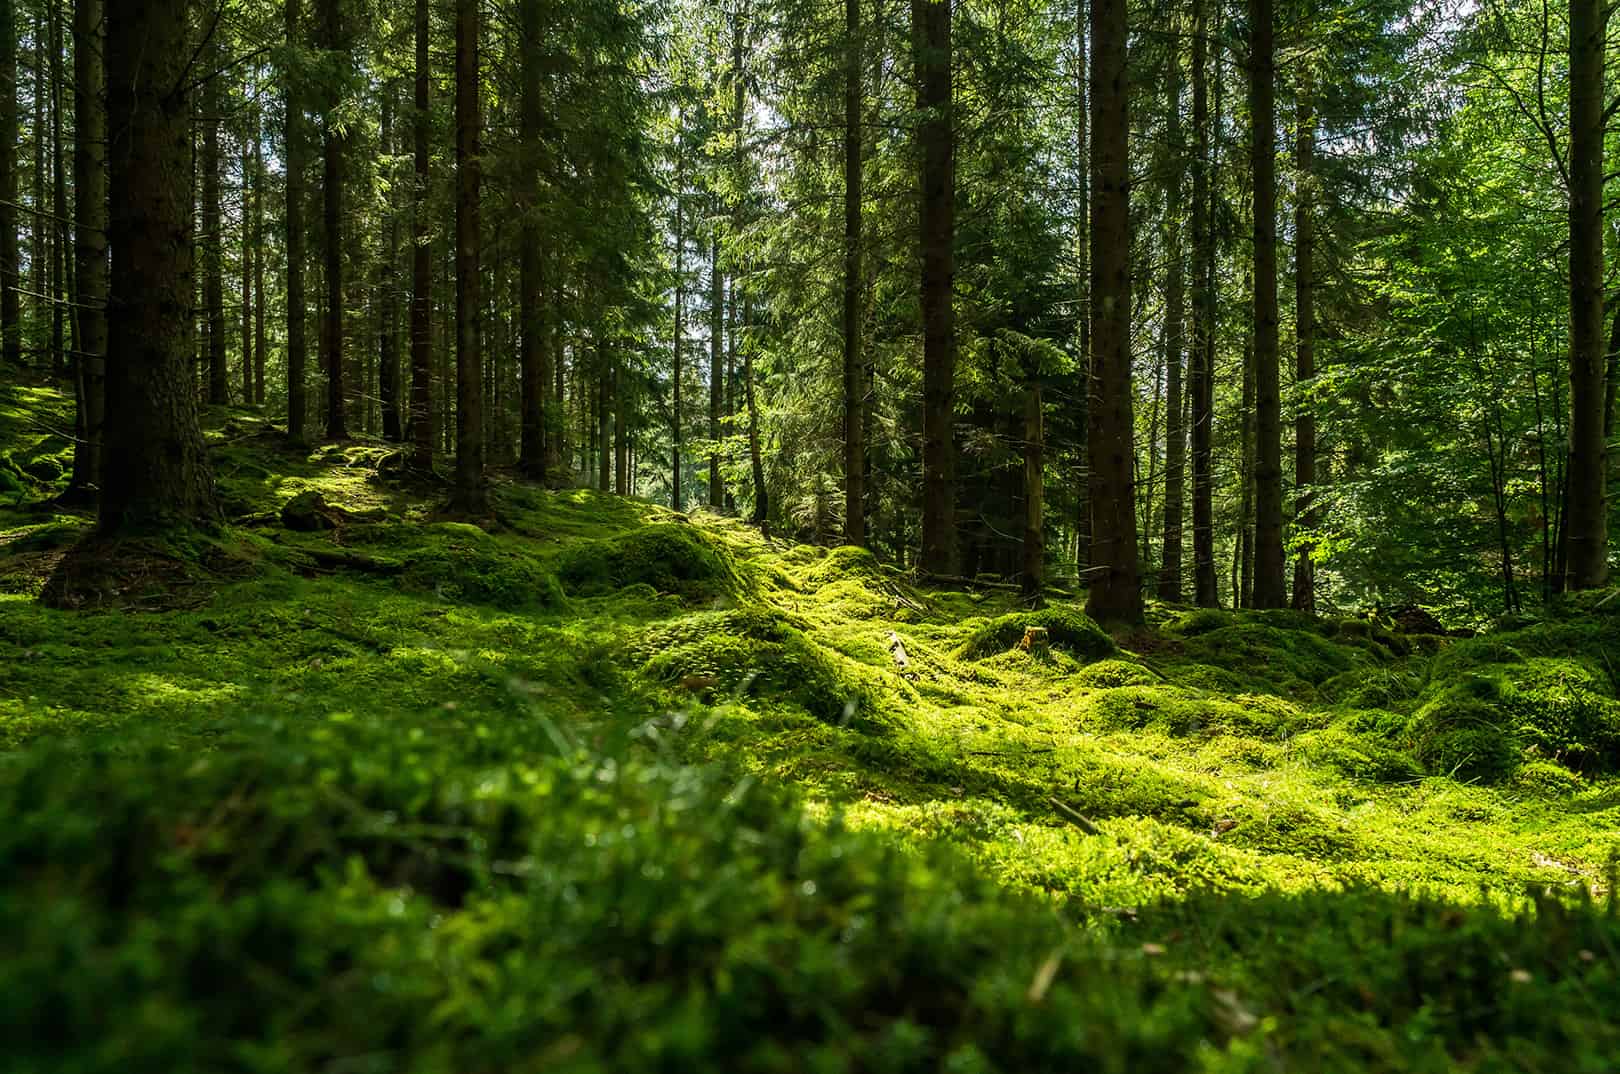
(601, 787)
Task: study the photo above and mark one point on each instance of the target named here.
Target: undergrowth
(606, 788)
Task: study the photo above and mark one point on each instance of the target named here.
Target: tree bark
(533, 356)
(155, 471)
(1034, 566)
(1206, 592)
(90, 234)
(680, 308)
(1304, 597)
(1270, 588)
(1175, 462)
(10, 254)
(854, 386)
(421, 404)
(245, 232)
(717, 357)
(1586, 529)
(931, 34)
(1115, 584)
(756, 461)
(471, 492)
(260, 303)
(59, 202)
(337, 426)
(297, 250)
(388, 300)
(213, 239)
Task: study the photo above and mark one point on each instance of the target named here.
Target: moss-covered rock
(670, 557)
(467, 565)
(1073, 632)
(1108, 674)
(750, 653)
(1465, 736)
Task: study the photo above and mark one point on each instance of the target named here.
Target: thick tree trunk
(421, 405)
(1175, 313)
(155, 472)
(532, 357)
(1206, 593)
(213, 241)
(10, 254)
(1082, 241)
(1270, 587)
(1304, 598)
(59, 202)
(388, 300)
(717, 357)
(931, 41)
(1115, 584)
(471, 492)
(1587, 529)
(337, 425)
(90, 234)
(297, 251)
(854, 386)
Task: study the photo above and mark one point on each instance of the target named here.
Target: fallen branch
(1074, 817)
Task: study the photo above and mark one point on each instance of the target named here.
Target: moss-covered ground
(598, 787)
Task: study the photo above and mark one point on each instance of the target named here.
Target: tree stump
(1036, 641)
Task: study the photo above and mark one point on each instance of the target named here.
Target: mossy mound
(1109, 674)
(464, 564)
(1181, 713)
(1358, 756)
(751, 653)
(846, 562)
(1072, 632)
(1570, 724)
(1465, 736)
(1270, 659)
(1190, 624)
(670, 557)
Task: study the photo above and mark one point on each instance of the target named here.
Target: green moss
(1068, 630)
(670, 557)
(464, 564)
(1356, 756)
(1465, 737)
(1269, 658)
(1546, 779)
(750, 653)
(1190, 624)
(1107, 674)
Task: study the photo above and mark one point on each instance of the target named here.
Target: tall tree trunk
(854, 386)
(388, 300)
(213, 240)
(297, 141)
(1270, 587)
(756, 462)
(260, 303)
(1304, 598)
(1034, 566)
(246, 234)
(1115, 584)
(1243, 581)
(931, 34)
(604, 415)
(471, 492)
(90, 234)
(421, 405)
(1587, 528)
(1206, 592)
(717, 357)
(155, 471)
(680, 309)
(1082, 241)
(621, 431)
(337, 424)
(10, 254)
(59, 202)
(1175, 313)
(532, 307)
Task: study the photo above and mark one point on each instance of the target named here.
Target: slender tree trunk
(471, 492)
(1115, 584)
(59, 202)
(756, 461)
(1243, 589)
(680, 309)
(854, 387)
(1206, 593)
(717, 357)
(421, 404)
(1034, 566)
(213, 239)
(621, 431)
(1587, 528)
(1304, 598)
(532, 308)
(1270, 590)
(155, 471)
(388, 300)
(931, 33)
(10, 254)
(90, 233)
(39, 254)
(337, 425)
(297, 252)
(1175, 314)
(260, 302)
(246, 234)
(1082, 157)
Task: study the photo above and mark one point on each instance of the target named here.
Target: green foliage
(1070, 631)
(670, 557)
